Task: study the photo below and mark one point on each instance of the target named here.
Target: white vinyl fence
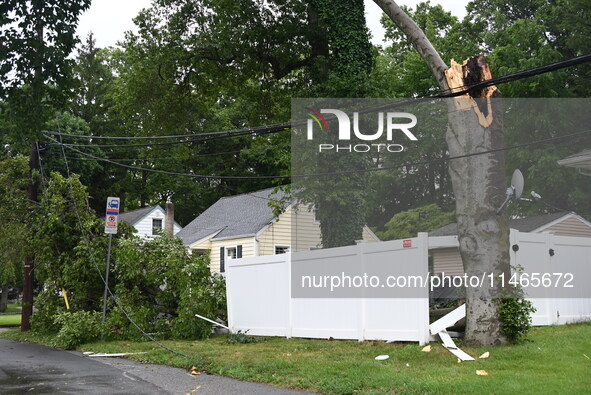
(259, 289)
(259, 297)
(565, 262)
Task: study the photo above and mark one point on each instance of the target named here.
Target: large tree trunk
(475, 125)
(478, 181)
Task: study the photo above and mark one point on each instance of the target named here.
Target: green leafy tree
(161, 287)
(37, 38)
(14, 207)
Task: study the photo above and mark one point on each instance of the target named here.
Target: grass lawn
(13, 308)
(553, 360)
(12, 319)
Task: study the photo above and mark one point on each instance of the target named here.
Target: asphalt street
(28, 368)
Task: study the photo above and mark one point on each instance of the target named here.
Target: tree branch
(418, 39)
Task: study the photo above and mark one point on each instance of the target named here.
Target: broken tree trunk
(475, 124)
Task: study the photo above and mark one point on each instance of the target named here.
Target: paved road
(28, 368)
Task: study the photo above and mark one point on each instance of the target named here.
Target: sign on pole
(112, 215)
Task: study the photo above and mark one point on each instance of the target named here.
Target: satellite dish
(515, 191)
(517, 184)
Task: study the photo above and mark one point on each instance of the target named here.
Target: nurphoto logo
(394, 122)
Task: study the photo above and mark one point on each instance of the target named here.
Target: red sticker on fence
(407, 243)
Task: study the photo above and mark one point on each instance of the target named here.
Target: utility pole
(29, 262)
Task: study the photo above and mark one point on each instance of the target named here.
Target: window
(281, 249)
(229, 253)
(156, 227)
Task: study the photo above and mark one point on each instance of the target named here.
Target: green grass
(551, 361)
(13, 308)
(11, 319)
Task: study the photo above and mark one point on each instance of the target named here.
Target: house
(581, 161)
(148, 221)
(245, 226)
(448, 260)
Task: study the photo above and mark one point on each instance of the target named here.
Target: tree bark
(4, 299)
(474, 125)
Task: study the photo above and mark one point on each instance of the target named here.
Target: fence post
(423, 327)
(289, 299)
(362, 300)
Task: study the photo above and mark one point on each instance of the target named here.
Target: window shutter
(239, 251)
(222, 257)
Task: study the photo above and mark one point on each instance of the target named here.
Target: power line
(408, 164)
(165, 158)
(245, 132)
(85, 235)
(276, 128)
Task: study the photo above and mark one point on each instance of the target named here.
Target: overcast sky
(109, 19)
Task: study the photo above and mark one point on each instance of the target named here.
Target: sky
(110, 19)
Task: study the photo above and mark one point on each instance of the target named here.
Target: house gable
(141, 220)
(569, 225)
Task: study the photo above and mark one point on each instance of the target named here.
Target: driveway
(35, 369)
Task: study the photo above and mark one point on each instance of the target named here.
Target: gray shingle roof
(132, 217)
(523, 224)
(232, 216)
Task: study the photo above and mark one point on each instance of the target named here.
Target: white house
(148, 221)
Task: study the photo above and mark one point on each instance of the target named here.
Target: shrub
(515, 314)
(48, 304)
(243, 337)
(77, 328)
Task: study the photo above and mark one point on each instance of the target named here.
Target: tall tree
(475, 124)
(37, 38)
(16, 226)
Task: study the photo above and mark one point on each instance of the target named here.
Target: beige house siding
(306, 230)
(299, 222)
(447, 260)
(368, 236)
(570, 227)
(247, 244)
(276, 233)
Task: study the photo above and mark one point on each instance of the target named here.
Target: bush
(161, 287)
(243, 337)
(77, 328)
(48, 304)
(515, 314)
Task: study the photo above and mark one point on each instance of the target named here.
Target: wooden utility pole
(29, 262)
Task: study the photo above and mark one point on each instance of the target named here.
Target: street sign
(112, 215)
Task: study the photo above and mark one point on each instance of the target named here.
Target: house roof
(528, 224)
(134, 216)
(582, 161)
(232, 216)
